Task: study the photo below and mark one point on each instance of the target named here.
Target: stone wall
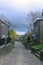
(41, 31)
(5, 49)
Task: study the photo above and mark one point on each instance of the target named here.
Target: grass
(38, 46)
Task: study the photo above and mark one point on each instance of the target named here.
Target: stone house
(3, 29)
(38, 30)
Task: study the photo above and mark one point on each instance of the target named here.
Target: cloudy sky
(16, 11)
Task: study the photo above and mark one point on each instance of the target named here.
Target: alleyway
(20, 56)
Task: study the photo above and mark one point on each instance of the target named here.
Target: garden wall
(5, 49)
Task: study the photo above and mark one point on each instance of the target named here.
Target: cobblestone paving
(20, 56)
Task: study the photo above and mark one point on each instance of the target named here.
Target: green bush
(28, 39)
(8, 39)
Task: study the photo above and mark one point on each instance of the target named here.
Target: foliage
(26, 41)
(8, 39)
(12, 34)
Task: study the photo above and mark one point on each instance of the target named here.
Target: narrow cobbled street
(20, 56)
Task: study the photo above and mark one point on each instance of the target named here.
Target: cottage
(3, 29)
(3, 32)
(38, 30)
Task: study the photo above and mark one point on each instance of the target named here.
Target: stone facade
(38, 29)
(3, 29)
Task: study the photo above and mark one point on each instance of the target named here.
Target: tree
(12, 34)
(34, 15)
